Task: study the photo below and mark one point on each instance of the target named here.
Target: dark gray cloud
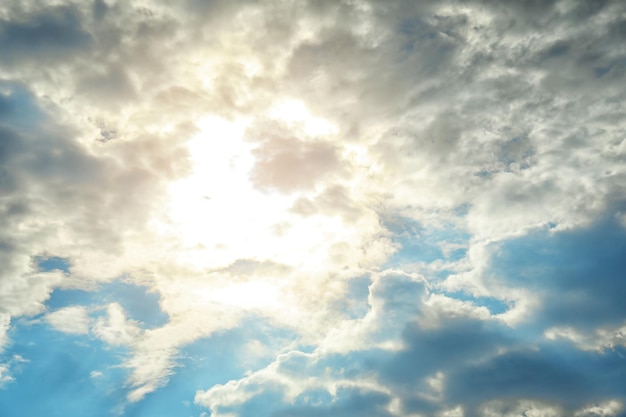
(552, 374)
(52, 34)
(430, 350)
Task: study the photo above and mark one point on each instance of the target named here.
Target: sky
(313, 208)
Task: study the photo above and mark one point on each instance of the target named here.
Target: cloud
(292, 164)
(95, 374)
(8, 368)
(369, 177)
(73, 320)
(50, 204)
(474, 362)
(355, 403)
(115, 329)
(544, 375)
(575, 275)
(4, 375)
(52, 34)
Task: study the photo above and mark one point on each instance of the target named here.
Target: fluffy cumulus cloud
(312, 208)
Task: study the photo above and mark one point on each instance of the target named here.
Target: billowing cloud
(299, 208)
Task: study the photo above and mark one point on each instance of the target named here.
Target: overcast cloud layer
(313, 208)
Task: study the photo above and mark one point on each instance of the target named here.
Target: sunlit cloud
(296, 208)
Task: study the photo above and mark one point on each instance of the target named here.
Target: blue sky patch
(494, 305)
(53, 263)
(67, 374)
(139, 303)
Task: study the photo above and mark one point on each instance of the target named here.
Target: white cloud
(73, 320)
(523, 407)
(604, 409)
(95, 374)
(115, 329)
(441, 307)
(8, 368)
(5, 321)
(599, 339)
(394, 298)
(5, 377)
(280, 378)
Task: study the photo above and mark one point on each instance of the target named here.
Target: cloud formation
(384, 208)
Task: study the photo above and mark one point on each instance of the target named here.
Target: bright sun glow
(295, 112)
(218, 216)
(216, 211)
(249, 295)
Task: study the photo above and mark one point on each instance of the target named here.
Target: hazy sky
(323, 208)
